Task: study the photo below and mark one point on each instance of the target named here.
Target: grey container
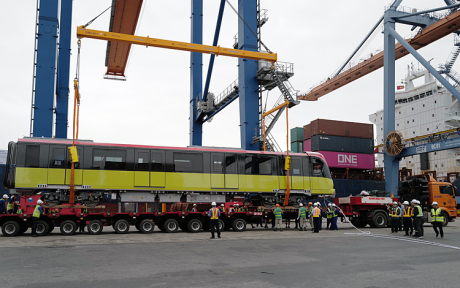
(342, 144)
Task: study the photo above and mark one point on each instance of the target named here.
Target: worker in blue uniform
(37, 212)
(222, 208)
(194, 208)
(335, 213)
(214, 214)
(2, 204)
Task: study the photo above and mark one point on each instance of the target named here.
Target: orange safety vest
(316, 212)
(215, 213)
(408, 212)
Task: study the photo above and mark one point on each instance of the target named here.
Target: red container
(307, 145)
(349, 160)
(338, 128)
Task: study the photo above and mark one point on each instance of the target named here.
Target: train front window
(319, 168)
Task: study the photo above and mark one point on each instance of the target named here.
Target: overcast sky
(152, 106)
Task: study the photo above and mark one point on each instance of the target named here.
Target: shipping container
(297, 134)
(296, 147)
(339, 128)
(307, 145)
(349, 160)
(342, 144)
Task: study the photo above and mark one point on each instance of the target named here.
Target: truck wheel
(11, 228)
(68, 227)
(239, 225)
(446, 219)
(379, 220)
(95, 227)
(194, 225)
(221, 225)
(121, 226)
(42, 228)
(171, 226)
(146, 226)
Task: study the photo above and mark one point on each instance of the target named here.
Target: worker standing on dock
(37, 212)
(407, 219)
(302, 218)
(321, 215)
(278, 217)
(418, 218)
(214, 214)
(401, 211)
(437, 219)
(394, 215)
(335, 213)
(309, 214)
(329, 216)
(316, 212)
(2, 204)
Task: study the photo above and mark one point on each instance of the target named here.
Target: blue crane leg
(247, 70)
(62, 91)
(196, 72)
(45, 69)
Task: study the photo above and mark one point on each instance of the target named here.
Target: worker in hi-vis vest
(437, 219)
(278, 217)
(329, 215)
(407, 218)
(316, 212)
(10, 205)
(335, 213)
(418, 218)
(394, 216)
(302, 216)
(214, 214)
(37, 212)
(2, 204)
(194, 208)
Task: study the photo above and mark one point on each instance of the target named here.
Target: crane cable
(92, 20)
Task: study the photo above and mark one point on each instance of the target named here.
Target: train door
(56, 168)
(306, 173)
(217, 171)
(157, 169)
(142, 168)
(231, 171)
(78, 172)
(296, 174)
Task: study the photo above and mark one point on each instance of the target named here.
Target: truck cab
(444, 194)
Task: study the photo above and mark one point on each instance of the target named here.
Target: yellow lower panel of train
(144, 180)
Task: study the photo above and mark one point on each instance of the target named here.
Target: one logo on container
(347, 159)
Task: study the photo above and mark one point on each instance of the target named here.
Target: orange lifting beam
(176, 45)
(430, 34)
(125, 15)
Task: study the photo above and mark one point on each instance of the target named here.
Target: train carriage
(141, 173)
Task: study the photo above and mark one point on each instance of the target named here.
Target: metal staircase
(454, 76)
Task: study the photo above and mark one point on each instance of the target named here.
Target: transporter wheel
(171, 226)
(239, 225)
(95, 227)
(446, 219)
(121, 226)
(379, 220)
(42, 228)
(146, 226)
(11, 228)
(68, 227)
(194, 225)
(221, 225)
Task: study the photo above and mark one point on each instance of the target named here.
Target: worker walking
(329, 215)
(194, 208)
(316, 212)
(3, 205)
(437, 219)
(278, 217)
(407, 219)
(37, 212)
(418, 218)
(302, 216)
(335, 213)
(394, 216)
(214, 214)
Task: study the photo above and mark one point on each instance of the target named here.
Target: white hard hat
(406, 203)
(39, 202)
(5, 196)
(413, 201)
(418, 202)
(316, 204)
(329, 204)
(237, 204)
(434, 203)
(300, 204)
(333, 205)
(395, 203)
(222, 205)
(213, 203)
(194, 204)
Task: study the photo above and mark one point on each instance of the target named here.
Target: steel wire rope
(91, 21)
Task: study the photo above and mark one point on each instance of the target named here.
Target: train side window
(142, 163)
(265, 165)
(446, 190)
(157, 162)
(230, 165)
(32, 155)
(188, 162)
(109, 159)
(57, 158)
(250, 165)
(217, 164)
(296, 167)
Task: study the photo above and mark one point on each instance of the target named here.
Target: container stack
(347, 146)
(297, 140)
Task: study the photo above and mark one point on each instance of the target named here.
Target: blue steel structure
(196, 73)
(46, 64)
